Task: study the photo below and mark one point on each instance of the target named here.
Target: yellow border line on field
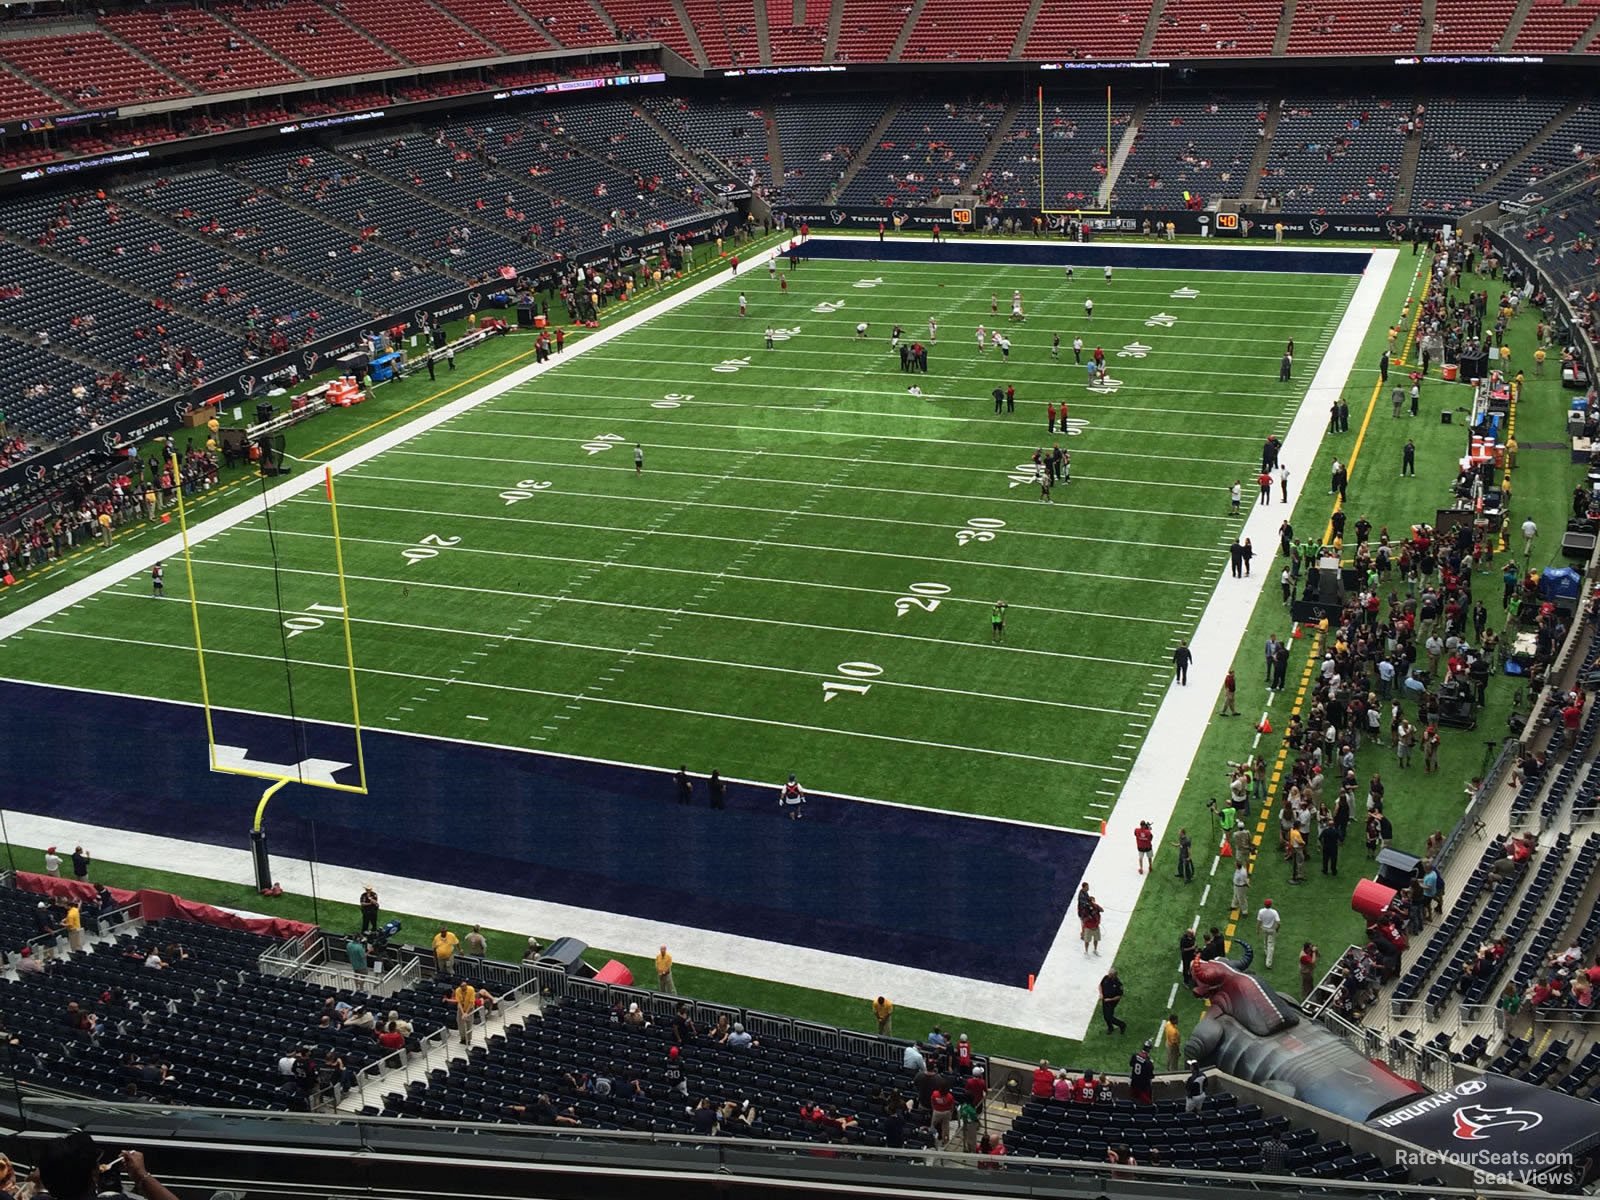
(1269, 805)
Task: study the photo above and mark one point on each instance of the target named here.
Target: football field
(802, 575)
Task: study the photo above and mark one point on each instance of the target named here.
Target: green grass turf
(1148, 958)
(1417, 804)
(698, 613)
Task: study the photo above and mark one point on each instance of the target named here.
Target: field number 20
(428, 548)
(923, 595)
(853, 671)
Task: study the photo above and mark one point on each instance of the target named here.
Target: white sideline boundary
(1066, 993)
(1063, 1000)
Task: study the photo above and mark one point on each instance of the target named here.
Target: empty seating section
(573, 23)
(722, 133)
(802, 43)
(500, 22)
(1224, 1136)
(198, 48)
(613, 130)
(501, 199)
(1552, 27)
(123, 331)
(90, 69)
(868, 29)
(1575, 138)
(1474, 26)
(365, 199)
(1201, 146)
(928, 150)
(416, 29)
(579, 1038)
(310, 36)
(19, 99)
(1380, 27)
(1538, 941)
(1342, 157)
(727, 31)
(1444, 936)
(1465, 141)
(1074, 156)
(627, 195)
(1198, 28)
(946, 30)
(250, 219)
(650, 20)
(209, 1016)
(1066, 29)
(820, 138)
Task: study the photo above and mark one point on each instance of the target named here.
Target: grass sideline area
(1148, 961)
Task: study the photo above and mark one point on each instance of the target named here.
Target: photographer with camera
(73, 1168)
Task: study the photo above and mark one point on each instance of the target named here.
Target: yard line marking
(1103, 792)
(635, 704)
(474, 717)
(837, 433)
(750, 508)
(944, 642)
(665, 533)
(570, 464)
(1097, 804)
(919, 417)
(899, 394)
(888, 462)
(1214, 863)
(1171, 996)
(1204, 896)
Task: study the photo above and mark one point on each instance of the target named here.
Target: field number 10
(305, 622)
(852, 671)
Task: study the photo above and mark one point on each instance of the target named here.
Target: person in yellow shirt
(73, 924)
(213, 425)
(1538, 362)
(1297, 855)
(1174, 1039)
(444, 951)
(105, 528)
(466, 998)
(664, 972)
(883, 1009)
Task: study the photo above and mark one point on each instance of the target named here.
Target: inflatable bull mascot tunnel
(1508, 1130)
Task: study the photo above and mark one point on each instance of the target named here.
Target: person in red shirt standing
(1264, 482)
(1144, 840)
(805, 231)
(977, 1088)
(943, 1104)
(1050, 414)
(561, 339)
(1230, 685)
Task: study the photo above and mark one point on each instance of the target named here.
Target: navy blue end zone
(937, 891)
(1088, 256)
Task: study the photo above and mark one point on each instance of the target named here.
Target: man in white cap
(52, 862)
(1267, 920)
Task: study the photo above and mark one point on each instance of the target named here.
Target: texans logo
(182, 408)
(1317, 227)
(56, 506)
(37, 473)
(902, 218)
(1473, 1120)
(247, 384)
(109, 439)
(473, 300)
(421, 318)
(1396, 228)
(1057, 222)
(310, 358)
(719, 228)
(1532, 197)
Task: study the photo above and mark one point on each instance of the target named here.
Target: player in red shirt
(1086, 1090)
(1144, 840)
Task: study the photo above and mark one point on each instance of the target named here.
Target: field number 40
(852, 671)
